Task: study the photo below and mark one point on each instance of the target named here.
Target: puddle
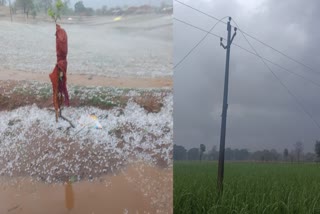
(138, 189)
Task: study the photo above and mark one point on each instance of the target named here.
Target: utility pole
(224, 107)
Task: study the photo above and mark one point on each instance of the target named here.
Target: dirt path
(140, 189)
(89, 80)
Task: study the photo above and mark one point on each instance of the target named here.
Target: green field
(248, 188)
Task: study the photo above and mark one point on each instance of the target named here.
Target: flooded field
(116, 149)
(135, 46)
(138, 189)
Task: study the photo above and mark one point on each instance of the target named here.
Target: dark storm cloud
(261, 113)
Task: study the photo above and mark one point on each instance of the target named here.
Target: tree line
(296, 154)
(34, 7)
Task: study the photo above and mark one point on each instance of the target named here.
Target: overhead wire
(238, 46)
(252, 37)
(199, 42)
(282, 83)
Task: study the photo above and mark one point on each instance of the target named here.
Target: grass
(248, 188)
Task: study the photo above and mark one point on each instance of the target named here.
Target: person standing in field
(58, 76)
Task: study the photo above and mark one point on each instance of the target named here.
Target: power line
(235, 44)
(194, 47)
(263, 60)
(279, 66)
(283, 54)
(252, 37)
(281, 82)
(179, 20)
(199, 11)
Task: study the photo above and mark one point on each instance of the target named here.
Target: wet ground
(138, 189)
(90, 80)
(100, 161)
(135, 52)
(135, 46)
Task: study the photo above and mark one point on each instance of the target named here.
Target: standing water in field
(139, 188)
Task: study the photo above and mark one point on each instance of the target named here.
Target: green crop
(248, 188)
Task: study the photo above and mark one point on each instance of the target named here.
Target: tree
(291, 155)
(298, 148)
(55, 13)
(317, 149)
(89, 11)
(193, 154)
(25, 5)
(3, 2)
(266, 155)
(66, 10)
(45, 4)
(34, 13)
(202, 150)
(179, 152)
(104, 10)
(309, 157)
(213, 154)
(241, 154)
(228, 154)
(11, 11)
(79, 7)
(285, 154)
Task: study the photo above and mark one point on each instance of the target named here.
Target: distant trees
(104, 10)
(3, 2)
(310, 157)
(266, 155)
(26, 5)
(66, 10)
(285, 154)
(44, 5)
(179, 152)
(317, 149)
(33, 7)
(298, 148)
(79, 7)
(202, 150)
(241, 154)
(236, 154)
(193, 154)
(296, 154)
(213, 154)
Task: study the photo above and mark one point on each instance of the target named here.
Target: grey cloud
(261, 113)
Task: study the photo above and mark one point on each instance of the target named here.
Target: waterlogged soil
(38, 155)
(139, 188)
(23, 92)
(91, 80)
(135, 46)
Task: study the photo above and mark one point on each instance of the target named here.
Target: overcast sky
(113, 3)
(261, 113)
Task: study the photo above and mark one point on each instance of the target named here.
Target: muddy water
(138, 189)
(88, 80)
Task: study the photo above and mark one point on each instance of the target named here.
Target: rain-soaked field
(136, 46)
(118, 155)
(133, 143)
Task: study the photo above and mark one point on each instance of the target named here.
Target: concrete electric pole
(224, 107)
